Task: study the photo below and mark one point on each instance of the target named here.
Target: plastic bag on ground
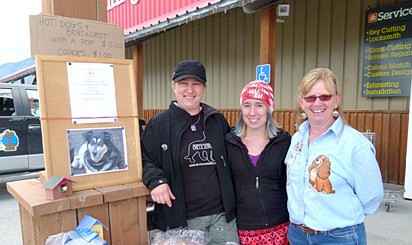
(181, 236)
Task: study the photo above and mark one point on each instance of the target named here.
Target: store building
(229, 42)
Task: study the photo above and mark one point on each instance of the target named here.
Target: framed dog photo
(97, 150)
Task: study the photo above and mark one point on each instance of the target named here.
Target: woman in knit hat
(256, 148)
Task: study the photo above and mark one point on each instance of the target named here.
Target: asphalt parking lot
(9, 218)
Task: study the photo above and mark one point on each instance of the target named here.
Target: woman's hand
(163, 195)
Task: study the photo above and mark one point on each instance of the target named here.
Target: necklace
(193, 126)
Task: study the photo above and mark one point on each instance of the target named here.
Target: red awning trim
(182, 16)
(165, 17)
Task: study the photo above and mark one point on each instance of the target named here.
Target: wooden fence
(390, 128)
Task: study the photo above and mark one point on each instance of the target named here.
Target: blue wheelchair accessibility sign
(263, 73)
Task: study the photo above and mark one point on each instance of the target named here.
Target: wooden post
(138, 71)
(268, 39)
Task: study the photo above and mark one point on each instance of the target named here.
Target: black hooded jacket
(160, 156)
(260, 191)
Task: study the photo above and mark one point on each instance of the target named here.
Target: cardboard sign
(62, 36)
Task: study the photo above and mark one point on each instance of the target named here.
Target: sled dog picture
(95, 151)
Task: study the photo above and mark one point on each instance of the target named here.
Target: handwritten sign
(387, 59)
(63, 36)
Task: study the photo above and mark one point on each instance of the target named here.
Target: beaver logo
(319, 173)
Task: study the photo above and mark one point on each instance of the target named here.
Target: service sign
(63, 36)
(387, 60)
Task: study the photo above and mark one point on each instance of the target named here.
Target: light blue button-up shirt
(354, 174)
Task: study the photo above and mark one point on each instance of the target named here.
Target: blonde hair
(309, 80)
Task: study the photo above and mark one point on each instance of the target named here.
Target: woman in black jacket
(256, 149)
(184, 161)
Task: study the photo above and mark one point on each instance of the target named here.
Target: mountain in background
(10, 68)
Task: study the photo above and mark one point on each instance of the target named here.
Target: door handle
(34, 127)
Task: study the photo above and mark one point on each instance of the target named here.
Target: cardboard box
(82, 9)
(63, 36)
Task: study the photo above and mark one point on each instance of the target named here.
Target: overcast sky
(14, 26)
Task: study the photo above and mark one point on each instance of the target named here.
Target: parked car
(21, 150)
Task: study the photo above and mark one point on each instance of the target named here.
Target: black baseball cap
(189, 68)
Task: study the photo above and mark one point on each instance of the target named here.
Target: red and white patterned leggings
(277, 235)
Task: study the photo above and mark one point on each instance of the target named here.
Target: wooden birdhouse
(58, 186)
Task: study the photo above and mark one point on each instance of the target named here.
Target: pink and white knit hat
(258, 90)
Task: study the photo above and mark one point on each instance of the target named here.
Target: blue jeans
(349, 235)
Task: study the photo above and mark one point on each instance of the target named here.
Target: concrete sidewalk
(393, 227)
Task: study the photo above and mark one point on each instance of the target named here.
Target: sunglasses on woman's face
(323, 97)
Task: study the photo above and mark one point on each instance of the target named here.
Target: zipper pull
(224, 162)
(257, 182)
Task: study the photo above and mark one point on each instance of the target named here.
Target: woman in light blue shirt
(334, 180)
